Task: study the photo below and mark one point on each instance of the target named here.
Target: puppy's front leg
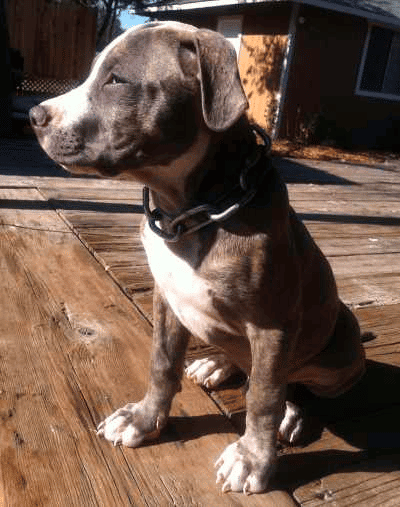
(247, 464)
(137, 422)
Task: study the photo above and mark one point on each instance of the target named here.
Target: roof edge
(389, 20)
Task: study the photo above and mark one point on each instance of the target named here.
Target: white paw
(210, 371)
(240, 469)
(292, 424)
(131, 426)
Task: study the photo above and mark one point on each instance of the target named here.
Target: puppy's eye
(115, 80)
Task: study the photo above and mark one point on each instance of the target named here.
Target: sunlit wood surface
(76, 322)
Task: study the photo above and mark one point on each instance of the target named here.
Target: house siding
(263, 47)
(321, 102)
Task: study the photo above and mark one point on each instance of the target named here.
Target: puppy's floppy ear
(222, 95)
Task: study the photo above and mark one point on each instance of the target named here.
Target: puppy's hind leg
(211, 371)
(137, 422)
(292, 425)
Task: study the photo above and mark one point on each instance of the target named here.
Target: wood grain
(76, 303)
(360, 238)
(73, 348)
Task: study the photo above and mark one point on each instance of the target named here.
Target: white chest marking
(189, 295)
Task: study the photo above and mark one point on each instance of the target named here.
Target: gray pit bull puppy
(232, 263)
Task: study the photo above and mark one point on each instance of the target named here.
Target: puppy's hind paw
(292, 425)
(210, 371)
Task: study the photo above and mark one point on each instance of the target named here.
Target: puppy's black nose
(39, 116)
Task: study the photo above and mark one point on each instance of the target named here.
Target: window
(379, 74)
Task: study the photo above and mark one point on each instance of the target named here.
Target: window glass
(379, 47)
(391, 81)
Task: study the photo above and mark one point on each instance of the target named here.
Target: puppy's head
(148, 95)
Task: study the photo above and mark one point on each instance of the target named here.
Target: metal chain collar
(213, 212)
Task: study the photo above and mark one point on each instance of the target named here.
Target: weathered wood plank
(357, 229)
(143, 300)
(73, 349)
(322, 172)
(336, 213)
(324, 230)
(384, 323)
(336, 239)
(380, 289)
(30, 179)
(58, 452)
(377, 244)
(114, 239)
(349, 478)
(346, 221)
(378, 264)
(123, 192)
(372, 193)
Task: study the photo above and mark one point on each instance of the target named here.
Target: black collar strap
(213, 213)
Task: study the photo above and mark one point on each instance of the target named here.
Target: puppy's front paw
(210, 371)
(131, 425)
(240, 469)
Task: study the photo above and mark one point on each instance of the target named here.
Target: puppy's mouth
(95, 156)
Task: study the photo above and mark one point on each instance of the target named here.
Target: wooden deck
(75, 302)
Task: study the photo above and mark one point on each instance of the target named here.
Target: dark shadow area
(51, 204)
(25, 157)
(293, 172)
(109, 207)
(358, 415)
(349, 219)
(297, 470)
(105, 207)
(181, 429)
(366, 417)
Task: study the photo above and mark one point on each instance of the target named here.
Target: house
(316, 70)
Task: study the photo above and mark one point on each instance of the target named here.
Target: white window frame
(231, 28)
(366, 93)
